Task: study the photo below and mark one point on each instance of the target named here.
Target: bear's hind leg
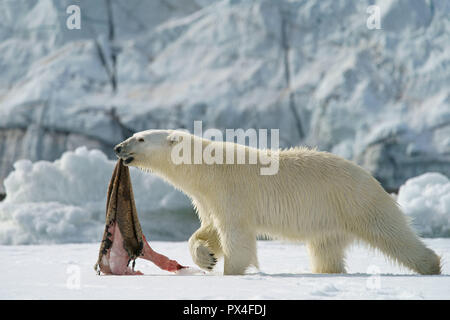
(327, 254)
(395, 238)
(205, 247)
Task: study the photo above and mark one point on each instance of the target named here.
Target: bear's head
(143, 147)
(148, 149)
(158, 151)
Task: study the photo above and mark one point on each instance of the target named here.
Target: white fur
(316, 197)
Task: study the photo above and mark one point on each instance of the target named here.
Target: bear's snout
(122, 152)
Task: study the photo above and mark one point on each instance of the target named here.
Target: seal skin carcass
(123, 241)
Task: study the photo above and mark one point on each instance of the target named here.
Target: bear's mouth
(128, 160)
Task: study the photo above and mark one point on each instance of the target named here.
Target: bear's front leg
(205, 248)
(239, 249)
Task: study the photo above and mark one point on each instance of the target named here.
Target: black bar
(223, 309)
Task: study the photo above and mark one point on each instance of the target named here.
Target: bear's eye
(141, 139)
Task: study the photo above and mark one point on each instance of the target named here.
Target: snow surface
(426, 199)
(66, 272)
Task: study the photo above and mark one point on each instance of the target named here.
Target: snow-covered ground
(66, 272)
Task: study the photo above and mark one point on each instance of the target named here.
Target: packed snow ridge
(64, 202)
(426, 199)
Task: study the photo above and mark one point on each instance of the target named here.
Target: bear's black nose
(117, 149)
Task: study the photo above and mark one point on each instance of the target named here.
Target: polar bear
(315, 197)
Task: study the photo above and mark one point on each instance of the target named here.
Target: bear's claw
(203, 257)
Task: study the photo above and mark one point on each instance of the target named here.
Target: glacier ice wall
(310, 68)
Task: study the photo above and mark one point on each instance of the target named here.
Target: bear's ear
(174, 139)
